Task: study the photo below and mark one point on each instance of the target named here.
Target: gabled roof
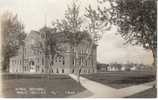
(32, 34)
(45, 29)
(58, 36)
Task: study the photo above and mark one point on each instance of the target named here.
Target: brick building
(30, 60)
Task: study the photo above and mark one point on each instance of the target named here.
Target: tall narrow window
(73, 71)
(42, 70)
(38, 60)
(74, 62)
(62, 70)
(57, 70)
(42, 61)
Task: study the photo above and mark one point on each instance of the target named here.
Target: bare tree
(71, 25)
(12, 37)
(47, 45)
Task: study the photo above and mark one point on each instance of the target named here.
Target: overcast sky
(110, 48)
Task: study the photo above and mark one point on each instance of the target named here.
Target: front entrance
(32, 67)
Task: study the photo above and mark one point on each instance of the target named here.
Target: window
(60, 59)
(93, 70)
(52, 70)
(38, 60)
(24, 51)
(56, 59)
(73, 62)
(42, 70)
(73, 71)
(80, 71)
(20, 62)
(62, 70)
(73, 49)
(42, 35)
(80, 61)
(38, 68)
(42, 61)
(24, 68)
(50, 57)
(57, 71)
(32, 63)
(63, 62)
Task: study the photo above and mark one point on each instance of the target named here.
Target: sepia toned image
(78, 48)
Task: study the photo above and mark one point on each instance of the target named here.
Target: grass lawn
(121, 79)
(125, 79)
(151, 93)
(33, 86)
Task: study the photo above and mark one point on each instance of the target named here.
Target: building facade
(31, 57)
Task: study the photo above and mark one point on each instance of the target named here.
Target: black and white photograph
(78, 48)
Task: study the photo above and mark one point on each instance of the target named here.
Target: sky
(36, 13)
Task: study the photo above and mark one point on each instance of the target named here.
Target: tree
(12, 37)
(47, 45)
(72, 21)
(136, 20)
(72, 26)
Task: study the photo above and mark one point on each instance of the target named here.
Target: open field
(36, 85)
(151, 93)
(31, 86)
(121, 79)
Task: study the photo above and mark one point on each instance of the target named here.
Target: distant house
(102, 67)
(29, 60)
(108, 67)
(114, 67)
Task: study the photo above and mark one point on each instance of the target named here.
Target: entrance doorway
(32, 67)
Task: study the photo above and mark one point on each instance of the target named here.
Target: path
(83, 94)
(103, 91)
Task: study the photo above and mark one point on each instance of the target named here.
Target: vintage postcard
(78, 48)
